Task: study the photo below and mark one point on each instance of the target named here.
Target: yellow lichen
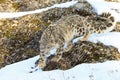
(16, 5)
(2, 1)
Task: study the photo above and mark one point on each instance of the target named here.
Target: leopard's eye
(48, 47)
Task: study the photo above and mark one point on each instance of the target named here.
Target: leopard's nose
(41, 51)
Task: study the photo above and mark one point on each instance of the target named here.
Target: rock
(26, 5)
(83, 52)
(117, 28)
(113, 0)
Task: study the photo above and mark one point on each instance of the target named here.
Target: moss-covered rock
(14, 40)
(83, 52)
(26, 5)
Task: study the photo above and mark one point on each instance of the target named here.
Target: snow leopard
(68, 28)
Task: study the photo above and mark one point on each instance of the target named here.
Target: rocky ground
(117, 27)
(26, 5)
(113, 0)
(83, 52)
(29, 5)
(19, 36)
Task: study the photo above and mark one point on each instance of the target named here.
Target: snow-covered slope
(102, 6)
(109, 70)
(100, 71)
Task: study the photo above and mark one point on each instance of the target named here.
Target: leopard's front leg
(61, 50)
(42, 61)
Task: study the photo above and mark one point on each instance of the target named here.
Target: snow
(111, 38)
(109, 70)
(98, 71)
(102, 6)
